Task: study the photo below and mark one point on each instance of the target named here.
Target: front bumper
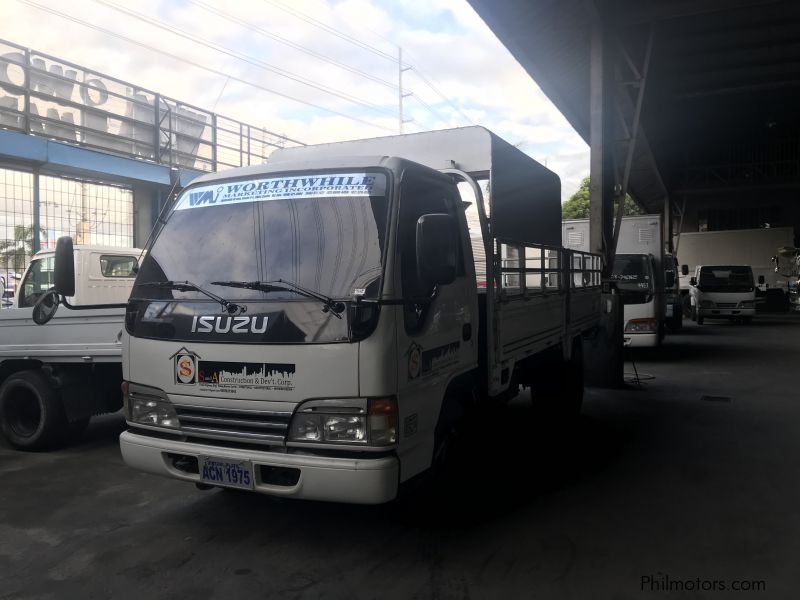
(352, 480)
(712, 313)
(640, 340)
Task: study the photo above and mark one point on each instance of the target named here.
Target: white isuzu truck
(639, 273)
(313, 328)
(54, 379)
(753, 247)
(723, 292)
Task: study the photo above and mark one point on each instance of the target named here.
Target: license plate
(230, 473)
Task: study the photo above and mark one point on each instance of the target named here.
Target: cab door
(438, 331)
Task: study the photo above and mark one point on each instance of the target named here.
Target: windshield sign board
(284, 188)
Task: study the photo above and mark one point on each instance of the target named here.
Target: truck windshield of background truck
(323, 231)
(634, 278)
(726, 279)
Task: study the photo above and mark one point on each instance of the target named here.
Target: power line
(198, 65)
(291, 44)
(441, 95)
(435, 112)
(311, 20)
(319, 24)
(243, 57)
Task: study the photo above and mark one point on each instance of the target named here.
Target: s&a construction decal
(426, 362)
(414, 360)
(231, 377)
(185, 367)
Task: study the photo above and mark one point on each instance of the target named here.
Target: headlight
(359, 421)
(641, 326)
(148, 406)
(747, 304)
(706, 304)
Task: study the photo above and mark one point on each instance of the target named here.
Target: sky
(314, 70)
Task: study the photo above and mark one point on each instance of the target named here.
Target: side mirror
(761, 280)
(693, 281)
(436, 249)
(684, 270)
(669, 279)
(64, 268)
(45, 307)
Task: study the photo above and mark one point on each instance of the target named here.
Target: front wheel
(32, 416)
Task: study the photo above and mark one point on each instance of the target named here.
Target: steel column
(37, 232)
(601, 142)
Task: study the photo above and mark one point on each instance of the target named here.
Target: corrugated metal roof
(723, 72)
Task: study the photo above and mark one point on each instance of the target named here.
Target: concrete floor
(653, 481)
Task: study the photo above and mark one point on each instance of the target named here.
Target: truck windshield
(726, 279)
(632, 273)
(321, 231)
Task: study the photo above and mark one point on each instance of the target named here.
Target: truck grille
(726, 305)
(255, 427)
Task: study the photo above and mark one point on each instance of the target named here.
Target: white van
(723, 292)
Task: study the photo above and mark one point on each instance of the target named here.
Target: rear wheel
(31, 413)
(557, 384)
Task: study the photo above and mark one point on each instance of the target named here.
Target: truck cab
(103, 275)
(53, 379)
(635, 276)
(723, 292)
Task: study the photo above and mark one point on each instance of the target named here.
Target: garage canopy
(721, 86)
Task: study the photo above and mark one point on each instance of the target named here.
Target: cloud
(445, 40)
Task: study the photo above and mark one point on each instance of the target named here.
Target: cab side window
(118, 266)
(37, 281)
(420, 195)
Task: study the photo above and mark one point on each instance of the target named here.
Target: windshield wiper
(187, 286)
(329, 304)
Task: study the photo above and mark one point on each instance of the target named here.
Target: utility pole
(400, 94)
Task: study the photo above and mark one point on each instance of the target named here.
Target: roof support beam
(634, 128)
(601, 142)
(646, 12)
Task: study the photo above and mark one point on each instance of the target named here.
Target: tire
(747, 320)
(700, 320)
(31, 414)
(676, 324)
(558, 384)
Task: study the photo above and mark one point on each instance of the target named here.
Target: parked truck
(753, 247)
(313, 327)
(54, 379)
(723, 292)
(639, 274)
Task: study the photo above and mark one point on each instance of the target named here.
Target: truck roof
(92, 248)
(282, 165)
